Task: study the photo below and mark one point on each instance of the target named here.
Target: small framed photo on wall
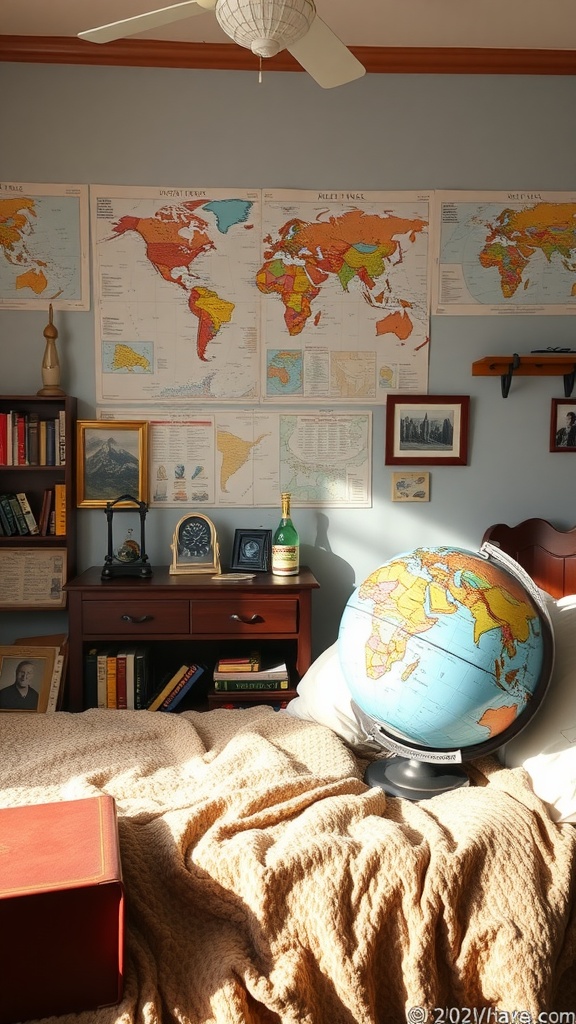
(563, 425)
(411, 486)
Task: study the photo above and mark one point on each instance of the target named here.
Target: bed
(267, 884)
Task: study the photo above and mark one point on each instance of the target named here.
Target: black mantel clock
(129, 558)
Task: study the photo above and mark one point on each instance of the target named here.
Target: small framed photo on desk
(252, 550)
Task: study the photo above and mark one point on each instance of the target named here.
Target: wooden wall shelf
(536, 364)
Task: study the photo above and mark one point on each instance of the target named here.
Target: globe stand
(414, 780)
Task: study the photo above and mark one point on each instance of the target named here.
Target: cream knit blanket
(267, 885)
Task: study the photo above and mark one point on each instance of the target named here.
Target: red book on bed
(61, 908)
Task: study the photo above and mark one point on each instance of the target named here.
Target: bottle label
(285, 560)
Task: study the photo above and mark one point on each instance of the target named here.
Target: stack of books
(234, 675)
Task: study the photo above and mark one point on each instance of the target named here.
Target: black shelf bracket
(506, 378)
(569, 383)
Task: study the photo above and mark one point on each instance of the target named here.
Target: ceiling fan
(264, 26)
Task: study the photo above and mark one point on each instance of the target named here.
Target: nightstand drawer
(132, 616)
(246, 615)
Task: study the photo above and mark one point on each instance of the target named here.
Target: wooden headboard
(548, 555)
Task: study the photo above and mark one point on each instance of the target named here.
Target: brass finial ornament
(50, 362)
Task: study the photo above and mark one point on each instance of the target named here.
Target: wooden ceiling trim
(229, 57)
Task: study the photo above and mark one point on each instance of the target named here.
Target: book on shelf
(21, 524)
(60, 509)
(3, 438)
(44, 521)
(111, 683)
(62, 437)
(121, 690)
(90, 695)
(249, 699)
(33, 424)
(141, 676)
(20, 448)
(101, 676)
(27, 512)
(183, 686)
(42, 443)
(248, 663)
(242, 686)
(7, 517)
(167, 685)
(273, 672)
(126, 666)
(50, 442)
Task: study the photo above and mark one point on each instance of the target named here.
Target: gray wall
(211, 128)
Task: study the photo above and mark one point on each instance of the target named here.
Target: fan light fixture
(265, 26)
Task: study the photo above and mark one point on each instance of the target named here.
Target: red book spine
(121, 691)
(3, 439)
(21, 434)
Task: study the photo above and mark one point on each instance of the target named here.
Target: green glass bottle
(285, 544)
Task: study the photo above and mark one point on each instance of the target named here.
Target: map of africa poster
(505, 252)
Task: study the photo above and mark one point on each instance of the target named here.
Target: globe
(448, 653)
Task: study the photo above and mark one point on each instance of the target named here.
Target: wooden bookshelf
(33, 480)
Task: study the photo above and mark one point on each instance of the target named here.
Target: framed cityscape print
(427, 429)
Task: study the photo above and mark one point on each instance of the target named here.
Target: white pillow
(323, 697)
(546, 748)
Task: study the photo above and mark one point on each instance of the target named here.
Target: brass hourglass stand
(50, 362)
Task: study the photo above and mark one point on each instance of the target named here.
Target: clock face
(195, 539)
(195, 545)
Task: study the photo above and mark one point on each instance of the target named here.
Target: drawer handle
(135, 621)
(245, 619)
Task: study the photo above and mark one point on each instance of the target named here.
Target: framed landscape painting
(112, 460)
(427, 429)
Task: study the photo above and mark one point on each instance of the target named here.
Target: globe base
(414, 780)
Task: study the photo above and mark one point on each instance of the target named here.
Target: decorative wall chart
(246, 458)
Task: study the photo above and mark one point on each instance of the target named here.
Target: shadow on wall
(336, 579)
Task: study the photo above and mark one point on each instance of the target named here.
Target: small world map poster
(44, 246)
(505, 252)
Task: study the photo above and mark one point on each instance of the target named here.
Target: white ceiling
(532, 24)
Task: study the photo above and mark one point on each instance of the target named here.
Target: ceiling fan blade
(325, 58)
(143, 22)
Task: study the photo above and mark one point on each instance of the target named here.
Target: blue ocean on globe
(446, 648)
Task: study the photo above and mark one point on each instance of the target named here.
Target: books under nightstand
(246, 681)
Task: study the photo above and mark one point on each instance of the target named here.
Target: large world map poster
(242, 296)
